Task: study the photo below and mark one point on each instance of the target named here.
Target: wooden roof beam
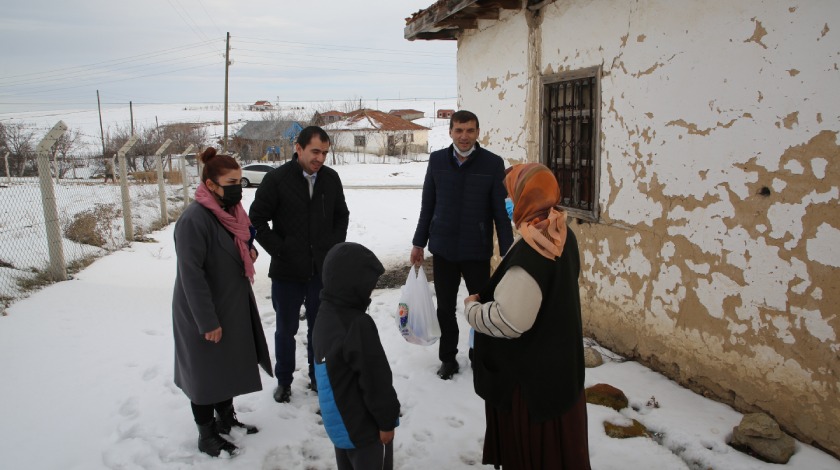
(433, 16)
(464, 23)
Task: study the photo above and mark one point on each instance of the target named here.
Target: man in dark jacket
(304, 201)
(463, 197)
(359, 405)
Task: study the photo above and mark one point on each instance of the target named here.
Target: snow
(87, 373)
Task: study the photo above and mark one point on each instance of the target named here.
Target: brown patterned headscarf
(534, 191)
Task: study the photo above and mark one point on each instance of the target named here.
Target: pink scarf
(237, 223)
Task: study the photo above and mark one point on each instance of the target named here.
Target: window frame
(360, 138)
(593, 214)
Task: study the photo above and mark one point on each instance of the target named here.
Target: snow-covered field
(86, 120)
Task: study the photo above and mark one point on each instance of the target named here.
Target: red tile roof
(383, 121)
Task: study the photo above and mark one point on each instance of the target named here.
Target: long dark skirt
(515, 442)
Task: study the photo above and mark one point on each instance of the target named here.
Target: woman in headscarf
(528, 358)
(219, 339)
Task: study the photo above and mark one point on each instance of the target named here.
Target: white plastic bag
(416, 316)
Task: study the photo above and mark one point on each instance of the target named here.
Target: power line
(345, 47)
(334, 69)
(95, 73)
(340, 58)
(107, 62)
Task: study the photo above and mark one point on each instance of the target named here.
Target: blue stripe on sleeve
(333, 421)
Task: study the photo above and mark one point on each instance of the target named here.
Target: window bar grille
(570, 156)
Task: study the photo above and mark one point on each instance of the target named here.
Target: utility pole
(101, 131)
(227, 67)
(131, 113)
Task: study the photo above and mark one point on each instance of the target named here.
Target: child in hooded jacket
(359, 405)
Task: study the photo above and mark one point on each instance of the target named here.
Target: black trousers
(203, 414)
(447, 280)
(376, 456)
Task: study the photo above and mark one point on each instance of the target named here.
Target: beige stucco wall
(376, 142)
(703, 104)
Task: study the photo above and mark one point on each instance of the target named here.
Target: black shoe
(448, 369)
(313, 385)
(227, 420)
(211, 443)
(282, 394)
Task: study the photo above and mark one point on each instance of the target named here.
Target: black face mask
(231, 196)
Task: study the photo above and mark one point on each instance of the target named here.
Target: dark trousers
(447, 281)
(203, 414)
(375, 456)
(287, 298)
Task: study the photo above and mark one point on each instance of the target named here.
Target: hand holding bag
(416, 315)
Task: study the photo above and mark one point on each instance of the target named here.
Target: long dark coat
(212, 291)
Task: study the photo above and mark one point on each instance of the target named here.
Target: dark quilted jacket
(302, 229)
(461, 204)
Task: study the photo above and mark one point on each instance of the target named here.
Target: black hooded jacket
(355, 387)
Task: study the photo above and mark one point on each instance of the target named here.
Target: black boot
(227, 419)
(211, 443)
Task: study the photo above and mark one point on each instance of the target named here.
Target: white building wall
(703, 104)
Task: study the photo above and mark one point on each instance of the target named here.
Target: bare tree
(19, 140)
(61, 152)
(141, 155)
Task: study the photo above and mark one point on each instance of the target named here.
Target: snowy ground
(87, 376)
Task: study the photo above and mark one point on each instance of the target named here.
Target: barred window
(359, 140)
(570, 129)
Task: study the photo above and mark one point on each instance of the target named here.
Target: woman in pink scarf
(219, 339)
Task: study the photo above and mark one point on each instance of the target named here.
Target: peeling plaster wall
(496, 70)
(717, 256)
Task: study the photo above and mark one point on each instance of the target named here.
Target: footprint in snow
(129, 408)
(422, 436)
(454, 422)
(150, 373)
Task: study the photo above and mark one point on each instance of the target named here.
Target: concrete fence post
(57, 268)
(164, 213)
(184, 175)
(126, 196)
(8, 175)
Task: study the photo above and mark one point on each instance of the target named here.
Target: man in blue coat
(463, 197)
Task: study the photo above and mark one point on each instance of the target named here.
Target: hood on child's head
(350, 273)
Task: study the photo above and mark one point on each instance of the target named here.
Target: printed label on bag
(403, 318)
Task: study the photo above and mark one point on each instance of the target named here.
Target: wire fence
(51, 228)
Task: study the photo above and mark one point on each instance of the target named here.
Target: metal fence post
(126, 196)
(57, 269)
(164, 214)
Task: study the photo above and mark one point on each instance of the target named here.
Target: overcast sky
(57, 54)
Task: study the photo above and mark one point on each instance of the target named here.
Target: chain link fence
(51, 228)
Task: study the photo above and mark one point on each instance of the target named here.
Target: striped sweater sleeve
(514, 310)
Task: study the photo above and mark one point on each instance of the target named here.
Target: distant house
(273, 140)
(445, 113)
(379, 133)
(407, 114)
(327, 117)
(261, 106)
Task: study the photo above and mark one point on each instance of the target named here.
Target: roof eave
(446, 20)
